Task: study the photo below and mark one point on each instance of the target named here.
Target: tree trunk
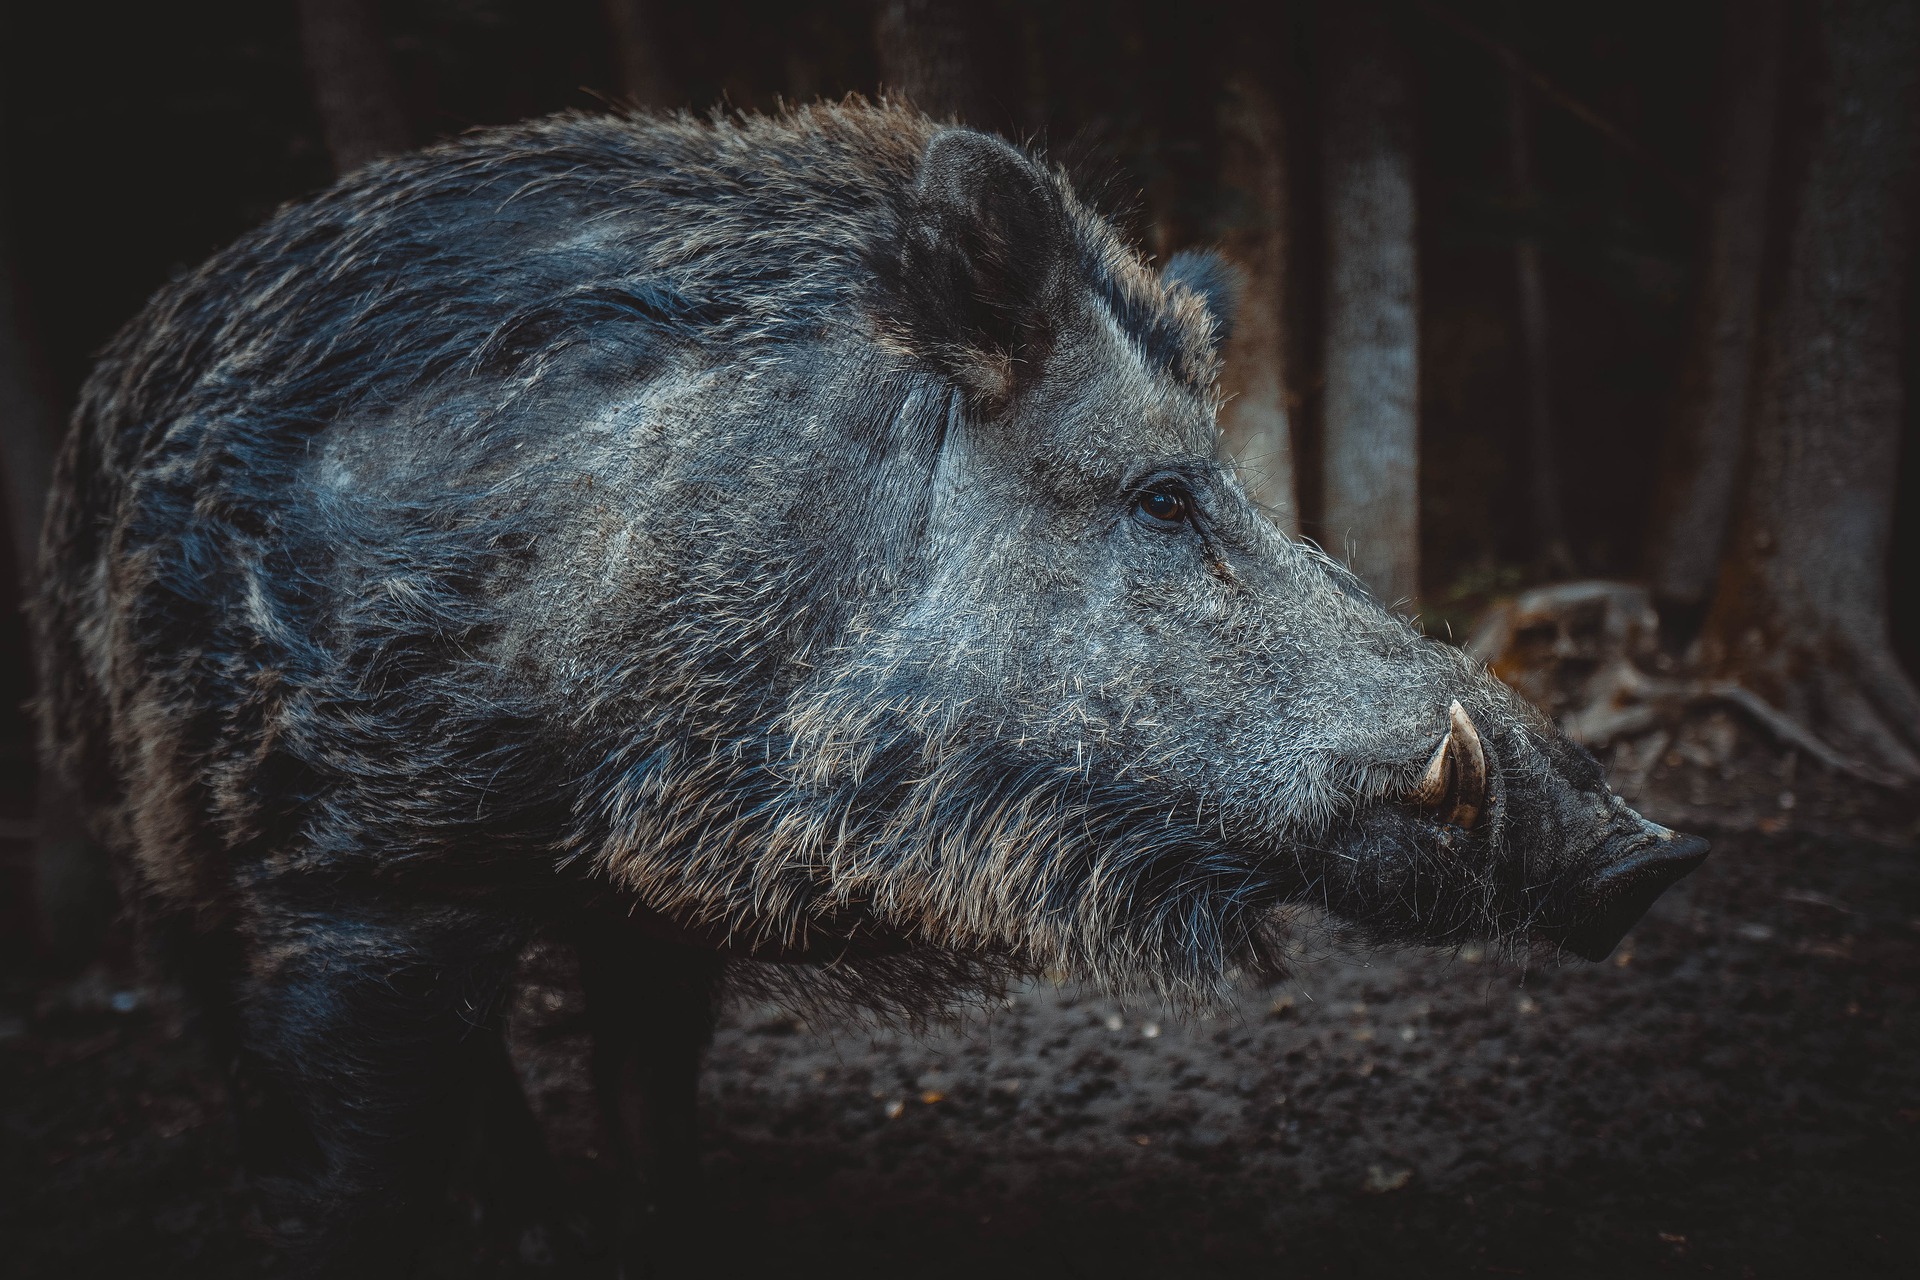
(1800, 614)
(1036, 91)
(645, 80)
(73, 893)
(926, 53)
(354, 87)
(1530, 287)
(28, 434)
(1257, 431)
(1371, 416)
(1700, 472)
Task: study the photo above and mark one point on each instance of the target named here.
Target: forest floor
(1735, 1092)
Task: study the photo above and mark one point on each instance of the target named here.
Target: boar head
(1068, 698)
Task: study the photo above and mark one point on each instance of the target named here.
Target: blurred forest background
(1533, 293)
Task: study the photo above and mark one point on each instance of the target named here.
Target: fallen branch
(1628, 701)
(1619, 699)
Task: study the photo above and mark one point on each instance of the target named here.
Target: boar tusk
(1432, 789)
(1470, 768)
(1455, 779)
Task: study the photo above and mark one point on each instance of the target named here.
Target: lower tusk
(1437, 779)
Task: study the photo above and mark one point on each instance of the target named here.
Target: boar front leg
(651, 1006)
(525, 1203)
(375, 1022)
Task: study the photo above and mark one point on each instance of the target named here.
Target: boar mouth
(1611, 900)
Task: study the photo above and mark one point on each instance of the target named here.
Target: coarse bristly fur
(738, 522)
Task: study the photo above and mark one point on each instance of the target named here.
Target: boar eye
(1164, 506)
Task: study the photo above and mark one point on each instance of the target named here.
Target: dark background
(139, 138)
(135, 139)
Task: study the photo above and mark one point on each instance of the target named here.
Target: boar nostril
(1454, 786)
(1620, 894)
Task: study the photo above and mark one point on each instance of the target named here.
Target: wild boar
(783, 539)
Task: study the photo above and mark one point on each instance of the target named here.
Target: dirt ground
(1735, 1092)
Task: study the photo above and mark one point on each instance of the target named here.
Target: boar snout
(1611, 900)
(1566, 861)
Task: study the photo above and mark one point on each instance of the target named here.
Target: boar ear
(1215, 279)
(980, 258)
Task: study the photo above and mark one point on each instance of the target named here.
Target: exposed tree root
(1580, 650)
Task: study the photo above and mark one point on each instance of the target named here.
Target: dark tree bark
(1700, 471)
(926, 53)
(1036, 91)
(1371, 415)
(28, 430)
(73, 891)
(354, 87)
(1530, 287)
(1799, 615)
(645, 78)
(1257, 428)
